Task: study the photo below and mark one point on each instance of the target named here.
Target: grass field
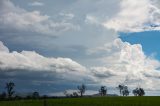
(96, 101)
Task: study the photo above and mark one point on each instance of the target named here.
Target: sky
(51, 46)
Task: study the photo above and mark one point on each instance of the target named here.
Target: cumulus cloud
(135, 16)
(123, 63)
(128, 16)
(31, 71)
(34, 62)
(3, 48)
(126, 63)
(18, 18)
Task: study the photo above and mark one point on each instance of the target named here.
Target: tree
(125, 91)
(103, 91)
(82, 89)
(35, 95)
(75, 94)
(141, 92)
(135, 92)
(66, 94)
(120, 87)
(10, 86)
(138, 92)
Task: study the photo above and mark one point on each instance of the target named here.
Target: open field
(96, 101)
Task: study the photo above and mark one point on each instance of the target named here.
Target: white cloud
(135, 16)
(123, 63)
(36, 3)
(34, 62)
(17, 18)
(126, 63)
(3, 48)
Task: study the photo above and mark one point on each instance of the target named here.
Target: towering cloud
(126, 63)
(135, 16)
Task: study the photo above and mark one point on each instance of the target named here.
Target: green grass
(97, 101)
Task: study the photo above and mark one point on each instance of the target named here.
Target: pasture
(88, 101)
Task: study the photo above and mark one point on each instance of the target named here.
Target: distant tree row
(81, 90)
(138, 92)
(125, 92)
(123, 89)
(10, 92)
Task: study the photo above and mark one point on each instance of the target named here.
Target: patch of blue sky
(150, 41)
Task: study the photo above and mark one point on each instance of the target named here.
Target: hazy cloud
(36, 3)
(14, 17)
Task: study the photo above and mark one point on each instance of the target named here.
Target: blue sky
(149, 41)
(44, 43)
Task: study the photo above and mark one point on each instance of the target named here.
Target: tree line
(123, 89)
(81, 89)
(10, 93)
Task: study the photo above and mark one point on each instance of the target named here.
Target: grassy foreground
(96, 101)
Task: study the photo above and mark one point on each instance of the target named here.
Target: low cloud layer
(123, 63)
(34, 62)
